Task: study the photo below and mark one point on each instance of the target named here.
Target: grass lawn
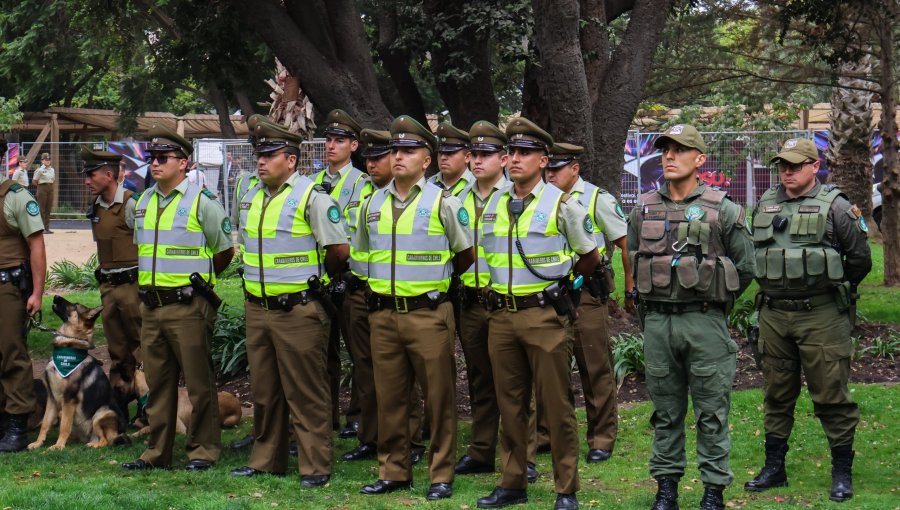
(79, 477)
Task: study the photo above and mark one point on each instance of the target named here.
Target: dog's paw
(96, 444)
(35, 445)
(56, 447)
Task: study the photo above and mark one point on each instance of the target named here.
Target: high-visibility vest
(588, 199)
(342, 192)
(358, 263)
(245, 182)
(280, 250)
(410, 255)
(548, 251)
(171, 243)
(478, 275)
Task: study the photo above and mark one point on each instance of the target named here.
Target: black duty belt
(12, 275)
(159, 297)
(353, 282)
(798, 305)
(675, 308)
(285, 302)
(497, 301)
(473, 295)
(405, 304)
(119, 277)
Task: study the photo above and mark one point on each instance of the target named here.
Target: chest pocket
(807, 227)
(763, 231)
(653, 237)
(694, 233)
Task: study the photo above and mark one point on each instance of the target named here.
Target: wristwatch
(633, 294)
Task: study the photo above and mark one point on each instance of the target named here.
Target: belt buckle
(510, 303)
(398, 308)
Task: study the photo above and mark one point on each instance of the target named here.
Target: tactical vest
(548, 251)
(342, 192)
(115, 241)
(280, 250)
(357, 260)
(13, 246)
(478, 275)
(588, 200)
(243, 186)
(681, 256)
(171, 243)
(796, 258)
(409, 255)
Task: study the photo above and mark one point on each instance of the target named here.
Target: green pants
(818, 342)
(690, 352)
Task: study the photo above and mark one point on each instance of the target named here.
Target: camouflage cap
(486, 137)
(375, 143)
(561, 154)
(525, 134)
(797, 150)
(340, 123)
(271, 137)
(95, 159)
(163, 139)
(407, 132)
(451, 139)
(682, 134)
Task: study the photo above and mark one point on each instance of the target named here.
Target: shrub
(68, 275)
(884, 346)
(628, 355)
(229, 343)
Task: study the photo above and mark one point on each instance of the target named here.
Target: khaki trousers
(16, 375)
(473, 336)
(122, 327)
(593, 355)
(45, 202)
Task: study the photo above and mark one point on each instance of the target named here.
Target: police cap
(163, 139)
(524, 134)
(451, 139)
(271, 137)
(407, 132)
(486, 137)
(797, 150)
(96, 159)
(375, 143)
(340, 123)
(561, 154)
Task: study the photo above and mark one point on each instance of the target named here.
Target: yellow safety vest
(478, 275)
(358, 262)
(588, 199)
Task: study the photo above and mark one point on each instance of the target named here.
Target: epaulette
(602, 190)
(828, 187)
(319, 188)
(137, 195)
(208, 193)
(16, 187)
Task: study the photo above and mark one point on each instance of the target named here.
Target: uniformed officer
(811, 253)
(112, 222)
(23, 268)
(180, 231)
(454, 157)
(489, 158)
(20, 176)
(341, 179)
(293, 240)
(532, 234)
(593, 352)
(692, 258)
(416, 236)
(245, 182)
(43, 180)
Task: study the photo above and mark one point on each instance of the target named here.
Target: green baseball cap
(376, 143)
(561, 154)
(797, 150)
(407, 132)
(525, 134)
(682, 134)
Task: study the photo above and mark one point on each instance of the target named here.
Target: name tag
(772, 208)
(809, 208)
(245, 205)
(423, 257)
(489, 218)
(374, 216)
(298, 259)
(655, 215)
(183, 252)
(353, 203)
(140, 213)
(543, 260)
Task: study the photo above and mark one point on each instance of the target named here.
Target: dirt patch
(76, 246)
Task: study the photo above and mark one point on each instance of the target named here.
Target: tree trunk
(890, 188)
(401, 95)
(244, 102)
(217, 98)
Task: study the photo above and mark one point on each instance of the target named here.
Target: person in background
(44, 177)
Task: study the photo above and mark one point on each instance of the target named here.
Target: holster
(203, 288)
(598, 284)
(559, 296)
(26, 286)
(317, 289)
(753, 342)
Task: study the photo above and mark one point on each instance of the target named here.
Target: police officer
(692, 258)
(293, 239)
(180, 230)
(377, 153)
(20, 176)
(593, 352)
(416, 236)
(23, 268)
(43, 180)
(489, 158)
(112, 222)
(811, 253)
(340, 178)
(453, 159)
(532, 234)
(245, 182)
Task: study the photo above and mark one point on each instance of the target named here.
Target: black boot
(4, 422)
(712, 499)
(773, 473)
(842, 473)
(16, 437)
(666, 494)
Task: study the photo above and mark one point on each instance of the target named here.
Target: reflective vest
(480, 267)
(681, 255)
(280, 250)
(115, 241)
(456, 189)
(358, 264)
(798, 257)
(342, 192)
(588, 199)
(171, 244)
(548, 251)
(244, 184)
(409, 255)
(13, 246)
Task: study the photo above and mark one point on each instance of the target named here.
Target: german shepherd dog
(80, 396)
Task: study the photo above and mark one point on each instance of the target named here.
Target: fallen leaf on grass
(257, 494)
(113, 462)
(35, 474)
(780, 499)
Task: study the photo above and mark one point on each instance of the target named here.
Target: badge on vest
(334, 215)
(182, 211)
(140, 213)
(373, 216)
(422, 212)
(772, 208)
(353, 204)
(296, 259)
(809, 209)
(183, 252)
(694, 212)
(655, 215)
(463, 216)
(540, 216)
(292, 202)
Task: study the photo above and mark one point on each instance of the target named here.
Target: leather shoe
(501, 497)
(248, 471)
(350, 430)
(597, 455)
(469, 466)
(361, 452)
(384, 487)
(532, 472)
(310, 481)
(415, 457)
(243, 442)
(566, 502)
(439, 491)
(138, 465)
(198, 465)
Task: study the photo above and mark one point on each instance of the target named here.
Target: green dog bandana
(67, 359)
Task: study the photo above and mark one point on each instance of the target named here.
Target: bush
(68, 275)
(628, 355)
(229, 343)
(231, 270)
(884, 346)
(743, 316)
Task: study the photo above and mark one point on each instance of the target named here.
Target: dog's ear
(91, 315)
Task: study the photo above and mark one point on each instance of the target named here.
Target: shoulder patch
(588, 224)
(462, 215)
(861, 222)
(334, 215)
(32, 208)
(208, 193)
(854, 212)
(619, 210)
(15, 187)
(226, 225)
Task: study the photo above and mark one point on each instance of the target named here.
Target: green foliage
(9, 112)
(743, 315)
(229, 343)
(68, 275)
(885, 346)
(231, 271)
(628, 355)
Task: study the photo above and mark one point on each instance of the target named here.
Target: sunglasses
(162, 158)
(784, 166)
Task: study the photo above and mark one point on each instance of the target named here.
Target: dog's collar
(35, 323)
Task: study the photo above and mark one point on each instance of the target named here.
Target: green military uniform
(45, 176)
(530, 344)
(20, 218)
(473, 317)
(410, 244)
(692, 257)
(811, 253)
(452, 139)
(112, 224)
(285, 236)
(178, 234)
